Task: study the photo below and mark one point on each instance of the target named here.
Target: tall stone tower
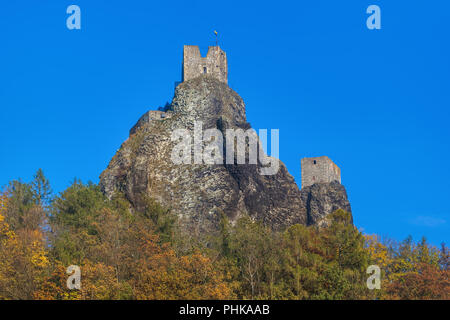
(319, 170)
(215, 63)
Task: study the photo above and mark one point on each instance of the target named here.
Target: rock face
(200, 193)
(321, 199)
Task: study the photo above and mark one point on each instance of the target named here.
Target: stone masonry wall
(319, 170)
(150, 116)
(215, 63)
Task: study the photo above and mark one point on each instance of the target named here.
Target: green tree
(163, 220)
(346, 248)
(20, 200)
(40, 187)
(72, 221)
(252, 247)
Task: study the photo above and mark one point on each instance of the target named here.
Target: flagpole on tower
(217, 40)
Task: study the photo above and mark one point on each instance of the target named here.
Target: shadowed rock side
(321, 199)
(198, 194)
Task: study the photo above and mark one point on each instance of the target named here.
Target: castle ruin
(194, 65)
(214, 64)
(149, 116)
(199, 194)
(319, 170)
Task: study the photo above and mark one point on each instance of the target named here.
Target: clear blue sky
(375, 101)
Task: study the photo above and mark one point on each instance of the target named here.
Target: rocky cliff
(321, 199)
(199, 193)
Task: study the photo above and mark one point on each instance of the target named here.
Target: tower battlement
(215, 63)
(319, 170)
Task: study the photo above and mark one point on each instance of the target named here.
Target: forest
(124, 254)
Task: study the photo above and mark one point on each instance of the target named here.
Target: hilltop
(199, 193)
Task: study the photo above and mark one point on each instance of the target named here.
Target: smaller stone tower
(215, 63)
(319, 170)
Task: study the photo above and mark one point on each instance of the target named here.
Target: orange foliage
(163, 275)
(429, 283)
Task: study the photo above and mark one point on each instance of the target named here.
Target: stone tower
(215, 63)
(319, 170)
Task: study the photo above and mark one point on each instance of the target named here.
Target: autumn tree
(160, 274)
(444, 257)
(98, 282)
(129, 253)
(427, 283)
(23, 259)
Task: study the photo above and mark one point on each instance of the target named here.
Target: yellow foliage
(23, 258)
(378, 253)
